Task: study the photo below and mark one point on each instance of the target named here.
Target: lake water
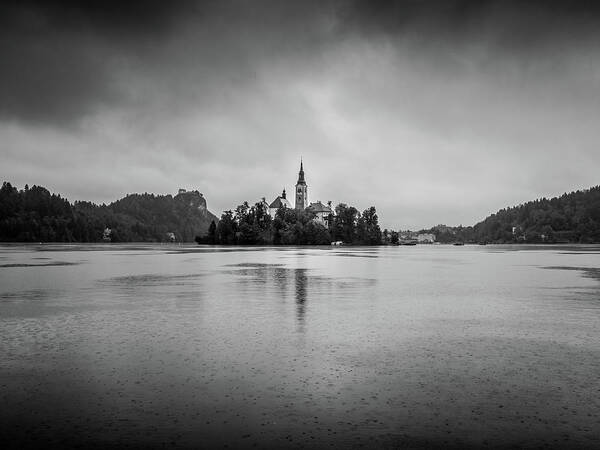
(189, 346)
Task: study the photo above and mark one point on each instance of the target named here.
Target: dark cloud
(65, 60)
(136, 17)
(529, 18)
(58, 57)
(525, 31)
(62, 60)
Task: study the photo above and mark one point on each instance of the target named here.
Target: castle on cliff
(321, 211)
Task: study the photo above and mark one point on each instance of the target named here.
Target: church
(321, 211)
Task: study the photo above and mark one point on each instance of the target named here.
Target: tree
(344, 228)
(385, 236)
(227, 228)
(368, 227)
(212, 233)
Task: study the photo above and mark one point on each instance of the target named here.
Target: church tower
(301, 190)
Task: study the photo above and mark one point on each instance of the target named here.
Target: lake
(191, 346)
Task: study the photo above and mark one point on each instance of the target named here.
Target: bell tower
(301, 190)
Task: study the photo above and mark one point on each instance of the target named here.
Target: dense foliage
(254, 225)
(573, 217)
(35, 215)
(570, 218)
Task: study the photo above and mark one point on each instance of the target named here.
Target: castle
(321, 211)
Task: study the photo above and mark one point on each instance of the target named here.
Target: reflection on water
(591, 272)
(301, 284)
(279, 281)
(418, 347)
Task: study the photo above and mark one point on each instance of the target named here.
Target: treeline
(251, 225)
(570, 218)
(35, 215)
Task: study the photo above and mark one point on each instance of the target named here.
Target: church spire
(301, 189)
(301, 174)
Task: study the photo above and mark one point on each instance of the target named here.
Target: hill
(573, 217)
(35, 215)
(570, 218)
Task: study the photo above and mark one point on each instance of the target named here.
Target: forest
(571, 218)
(33, 214)
(249, 225)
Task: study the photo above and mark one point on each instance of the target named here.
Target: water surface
(187, 346)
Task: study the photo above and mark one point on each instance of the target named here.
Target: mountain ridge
(573, 217)
(36, 215)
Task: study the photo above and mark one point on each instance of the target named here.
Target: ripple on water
(480, 349)
(50, 263)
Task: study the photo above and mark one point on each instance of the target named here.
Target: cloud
(65, 60)
(59, 58)
(434, 112)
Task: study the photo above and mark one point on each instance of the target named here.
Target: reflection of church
(320, 210)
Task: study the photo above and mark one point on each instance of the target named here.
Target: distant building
(182, 191)
(301, 190)
(280, 202)
(408, 235)
(321, 211)
(194, 199)
(426, 238)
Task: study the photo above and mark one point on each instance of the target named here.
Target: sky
(434, 112)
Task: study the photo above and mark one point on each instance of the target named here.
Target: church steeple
(301, 189)
(301, 174)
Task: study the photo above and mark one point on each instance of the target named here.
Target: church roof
(301, 175)
(318, 207)
(279, 202)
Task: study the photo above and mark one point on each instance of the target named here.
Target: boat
(458, 243)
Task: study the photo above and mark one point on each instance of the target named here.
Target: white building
(426, 238)
(321, 211)
(280, 201)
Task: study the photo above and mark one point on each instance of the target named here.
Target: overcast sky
(434, 112)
